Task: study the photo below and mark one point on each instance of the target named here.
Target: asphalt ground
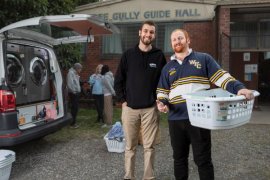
(241, 153)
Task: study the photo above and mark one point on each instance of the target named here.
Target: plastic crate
(7, 157)
(5, 172)
(218, 109)
(115, 145)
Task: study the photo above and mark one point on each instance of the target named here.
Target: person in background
(108, 91)
(95, 81)
(74, 91)
(135, 85)
(188, 72)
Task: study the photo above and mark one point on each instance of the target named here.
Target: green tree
(61, 6)
(15, 10)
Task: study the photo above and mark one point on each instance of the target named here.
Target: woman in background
(95, 82)
(108, 90)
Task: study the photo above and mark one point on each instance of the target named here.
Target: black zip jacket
(137, 77)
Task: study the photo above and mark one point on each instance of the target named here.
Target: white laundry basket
(115, 145)
(218, 109)
(7, 157)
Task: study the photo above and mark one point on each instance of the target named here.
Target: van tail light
(7, 101)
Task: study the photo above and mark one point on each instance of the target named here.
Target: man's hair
(77, 66)
(150, 23)
(183, 31)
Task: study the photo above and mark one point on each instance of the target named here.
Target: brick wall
(94, 58)
(223, 25)
(202, 36)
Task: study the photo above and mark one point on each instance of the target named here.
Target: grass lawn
(88, 126)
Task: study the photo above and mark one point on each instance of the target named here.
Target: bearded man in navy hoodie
(190, 71)
(136, 81)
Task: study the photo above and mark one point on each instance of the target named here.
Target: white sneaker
(104, 126)
(75, 126)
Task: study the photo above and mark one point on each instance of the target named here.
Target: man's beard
(178, 48)
(146, 41)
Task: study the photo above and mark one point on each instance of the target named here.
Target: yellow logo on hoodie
(195, 63)
(172, 71)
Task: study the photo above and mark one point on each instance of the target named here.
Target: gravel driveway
(238, 154)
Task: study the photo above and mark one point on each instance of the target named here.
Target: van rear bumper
(16, 136)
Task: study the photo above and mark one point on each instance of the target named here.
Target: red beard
(178, 48)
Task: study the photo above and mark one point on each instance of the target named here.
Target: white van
(32, 101)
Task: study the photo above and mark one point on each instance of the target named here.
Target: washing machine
(16, 72)
(37, 75)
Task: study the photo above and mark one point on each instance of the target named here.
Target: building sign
(246, 56)
(153, 15)
(251, 68)
(136, 11)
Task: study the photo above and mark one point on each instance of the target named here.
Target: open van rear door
(85, 27)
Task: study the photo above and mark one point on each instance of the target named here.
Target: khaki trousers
(108, 109)
(134, 120)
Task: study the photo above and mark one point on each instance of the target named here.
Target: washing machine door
(15, 70)
(38, 71)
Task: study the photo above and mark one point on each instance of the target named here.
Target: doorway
(264, 78)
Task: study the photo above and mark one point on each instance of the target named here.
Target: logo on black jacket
(152, 65)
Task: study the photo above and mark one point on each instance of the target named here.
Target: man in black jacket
(135, 85)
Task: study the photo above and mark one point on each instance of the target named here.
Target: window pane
(167, 36)
(244, 35)
(265, 34)
(129, 35)
(112, 44)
